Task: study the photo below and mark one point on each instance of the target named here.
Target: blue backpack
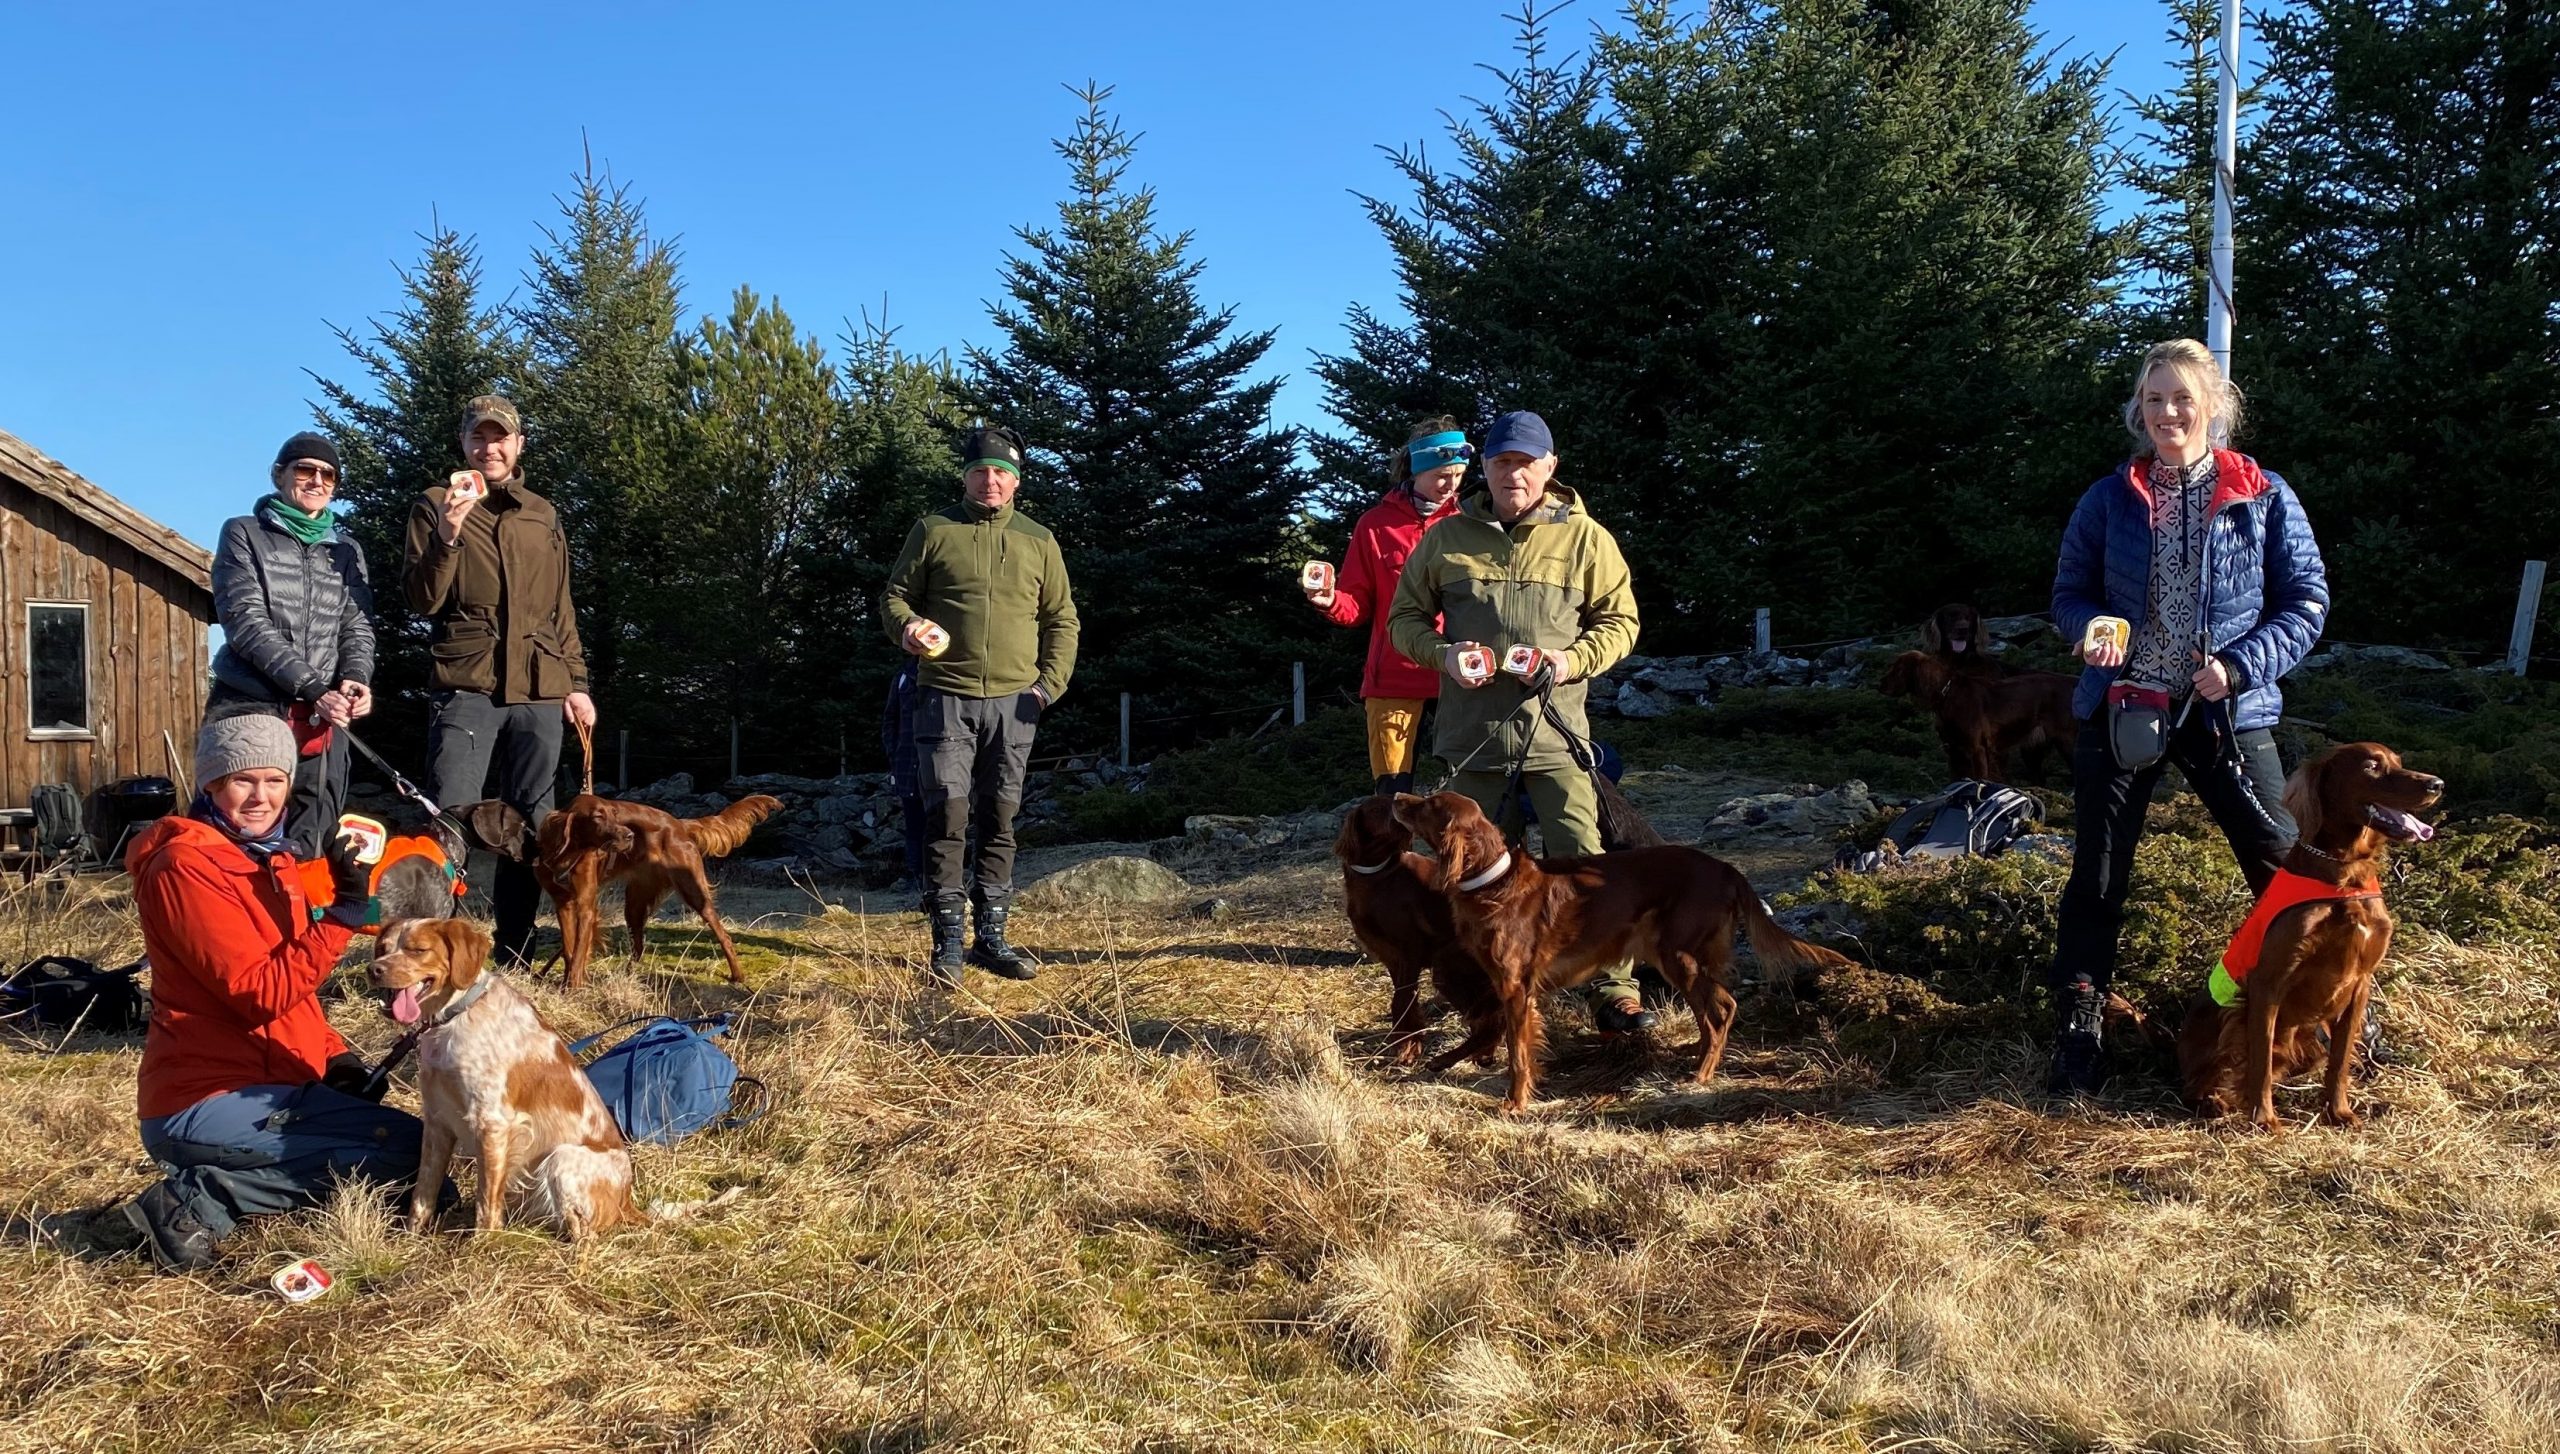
(668, 1079)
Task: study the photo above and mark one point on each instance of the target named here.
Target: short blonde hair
(2194, 362)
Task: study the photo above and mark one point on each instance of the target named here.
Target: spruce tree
(1152, 452)
(2399, 301)
(2171, 165)
(398, 433)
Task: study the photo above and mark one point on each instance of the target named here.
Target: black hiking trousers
(2245, 797)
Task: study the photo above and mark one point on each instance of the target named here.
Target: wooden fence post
(1760, 631)
(1124, 729)
(2528, 606)
(733, 748)
(1297, 694)
(622, 762)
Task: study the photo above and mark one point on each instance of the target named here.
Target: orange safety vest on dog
(2289, 890)
(322, 891)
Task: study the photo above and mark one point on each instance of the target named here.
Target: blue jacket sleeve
(2295, 605)
(2080, 576)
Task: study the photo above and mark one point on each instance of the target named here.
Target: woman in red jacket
(1427, 472)
(248, 1099)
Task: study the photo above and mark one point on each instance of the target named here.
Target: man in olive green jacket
(979, 592)
(490, 573)
(1523, 565)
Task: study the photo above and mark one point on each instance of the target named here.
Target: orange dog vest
(322, 892)
(2290, 890)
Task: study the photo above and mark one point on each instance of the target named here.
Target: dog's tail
(1778, 949)
(720, 834)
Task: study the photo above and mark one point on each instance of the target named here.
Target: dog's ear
(465, 946)
(1932, 640)
(2302, 795)
(497, 827)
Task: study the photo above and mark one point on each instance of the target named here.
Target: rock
(845, 808)
(2399, 656)
(1217, 911)
(2004, 629)
(1228, 830)
(1121, 879)
(2044, 845)
(1635, 702)
(1804, 811)
(678, 785)
(775, 784)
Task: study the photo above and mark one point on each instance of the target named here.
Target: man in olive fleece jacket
(1524, 564)
(992, 582)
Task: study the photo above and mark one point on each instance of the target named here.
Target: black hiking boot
(991, 953)
(2079, 1041)
(92, 1234)
(177, 1241)
(1622, 1016)
(948, 911)
(1393, 783)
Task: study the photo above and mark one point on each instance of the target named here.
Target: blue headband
(1434, 451)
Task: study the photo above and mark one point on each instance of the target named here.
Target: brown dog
(1392, 897)
(1954, 634)
(1983, 717)
(493, 1078)
(596, 841)
(1537, 928)
(2315, 967)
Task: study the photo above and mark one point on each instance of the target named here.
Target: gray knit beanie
(236, 744)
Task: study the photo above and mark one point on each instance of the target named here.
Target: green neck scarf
(309, 529)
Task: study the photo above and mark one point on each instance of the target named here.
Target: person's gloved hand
(350, 885)
(347, 1072)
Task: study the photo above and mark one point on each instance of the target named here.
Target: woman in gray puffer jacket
(296, 609)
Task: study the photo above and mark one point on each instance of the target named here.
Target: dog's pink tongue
(404, 1006)
(2405, 826)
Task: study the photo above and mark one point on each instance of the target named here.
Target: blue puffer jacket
(2266, 594)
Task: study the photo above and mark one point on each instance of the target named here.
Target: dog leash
(587, 756)
(400, 784)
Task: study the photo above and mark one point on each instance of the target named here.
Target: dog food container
(370, 837)
(934, 639)
(2112, 631)
(300, 1282)
(1520, 661)
(1317, 578)
(465, 485)
(1475, 665)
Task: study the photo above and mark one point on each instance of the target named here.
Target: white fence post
(1760, 631)
(1297, 693)
(2528, 606)
(1124, 729)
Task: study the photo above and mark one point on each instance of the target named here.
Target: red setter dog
(1537, 928)
(1955, 635)
(2315, 967)
(1982, 717)
(596, 841)
(1392, 897)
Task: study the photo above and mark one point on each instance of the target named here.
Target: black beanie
(308, 445)
(993, 444)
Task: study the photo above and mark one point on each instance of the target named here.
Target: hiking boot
(2080, 1040)
(1622, 1016)
(91, 1234)
(162, 1223)
(991, 953)
(948, 913)
(1393, 783)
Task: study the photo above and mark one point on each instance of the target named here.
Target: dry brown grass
(1166, 1199)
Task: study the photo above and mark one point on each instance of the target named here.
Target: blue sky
(199, 192)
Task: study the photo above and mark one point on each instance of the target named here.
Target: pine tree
(398, 433)
(1153, 455)
(2399, 301)
(602, 404)
(2173, 169)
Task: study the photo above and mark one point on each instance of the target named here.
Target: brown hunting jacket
(498, 598)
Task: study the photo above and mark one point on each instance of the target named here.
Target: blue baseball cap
(1519, 432)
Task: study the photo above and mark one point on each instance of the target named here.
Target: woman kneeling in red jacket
(248, 1099)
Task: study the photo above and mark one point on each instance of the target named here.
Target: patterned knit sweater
(2164, 648)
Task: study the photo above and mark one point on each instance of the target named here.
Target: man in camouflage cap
(490, 571)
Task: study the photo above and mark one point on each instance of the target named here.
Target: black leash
(405, 788)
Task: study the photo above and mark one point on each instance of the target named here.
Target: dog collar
(1370, 868)
(454, 1007)
(1473, 882)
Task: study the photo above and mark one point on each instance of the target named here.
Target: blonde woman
(2211, 560)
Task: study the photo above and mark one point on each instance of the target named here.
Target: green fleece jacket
(1553, 579)
(995, 581)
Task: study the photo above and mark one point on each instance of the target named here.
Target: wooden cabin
(105, 616)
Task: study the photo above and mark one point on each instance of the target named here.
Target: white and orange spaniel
(493, 1077)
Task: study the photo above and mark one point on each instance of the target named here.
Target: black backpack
(59, 992)
(1965, 818)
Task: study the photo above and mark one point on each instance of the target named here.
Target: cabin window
(58, 668)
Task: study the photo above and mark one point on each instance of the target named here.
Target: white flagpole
(2226, 155)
